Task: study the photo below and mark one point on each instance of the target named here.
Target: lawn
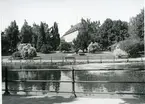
(59, 56)
(68, 100)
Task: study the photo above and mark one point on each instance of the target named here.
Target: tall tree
(12, 33)
(104, 32)
(36, 33)
(26, 33)
(5, 43)
(41, 38)
(111, 32)
(136, 26)
(55, 37)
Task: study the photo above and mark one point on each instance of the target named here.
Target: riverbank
(142, 59)
(68, 99)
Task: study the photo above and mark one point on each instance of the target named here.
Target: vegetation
(112, 32)
(43, 38)
(65, 46)
(46, 39)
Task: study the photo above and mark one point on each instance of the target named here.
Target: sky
(66, 12)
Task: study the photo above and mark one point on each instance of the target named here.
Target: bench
(70, 58)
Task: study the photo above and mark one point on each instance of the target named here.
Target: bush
(16, 55)
(64, 46)
(93, 47)
(45, 48)
(132, 47)
(32, 52)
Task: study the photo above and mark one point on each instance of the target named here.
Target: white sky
(66, 12)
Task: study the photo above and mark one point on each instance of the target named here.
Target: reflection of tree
(32, 75)
(11, 76)
(112, 76)
(140, 87)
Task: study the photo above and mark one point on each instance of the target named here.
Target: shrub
(93, 47)
(16, 55)
(64, 46)
(132, 47)
(32, 52)
(45, 48)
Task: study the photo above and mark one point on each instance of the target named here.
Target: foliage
(26, 33)
(16, 55)
(111, 32)
(55, 38)
(132, 47)
(5, 43)
(65, 46)
(26, 51)
(75, 45)
(45, 48)
(86, 34)
(12, 34)
(93, 47)
(41, 38)
(136, 26)
(32, 52)
(35, 34)
(48, 36)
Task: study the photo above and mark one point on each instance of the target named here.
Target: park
(103, 62)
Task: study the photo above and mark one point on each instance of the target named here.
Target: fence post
(141, 59)
(40, 60)
(87, 59)
(6, 82)
(100, 59)
(62, 61)
(51, 60)
(127, 60)
(113, 59)
(73, 82)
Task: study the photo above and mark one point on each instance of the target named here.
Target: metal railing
(73, 60)
(73, 81)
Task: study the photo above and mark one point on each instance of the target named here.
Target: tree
(12, 34)
(64, 46)
(35, 34)
(75, 45)
(26, 33)
(112, 32)
(55, 37)
(136, 26)
(41, 38)
(5, 43)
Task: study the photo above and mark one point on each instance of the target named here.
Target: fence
(74, 60)
(73, 81)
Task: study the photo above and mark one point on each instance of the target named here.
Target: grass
(68, 100)
(59, 56)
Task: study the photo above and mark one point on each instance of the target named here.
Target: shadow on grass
(134, 101)
(44, 100)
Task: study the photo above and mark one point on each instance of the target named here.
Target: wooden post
(127, 60)
(87, 59)
(11, 61)
(100, 59)
(73, 82)
(62, 60)
(114, 59)
(6, 82)
(40, 60)
(51, 60)
(141, 59)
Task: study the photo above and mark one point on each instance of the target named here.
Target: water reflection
(80, 76)
(31, 75)
(133, 76)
